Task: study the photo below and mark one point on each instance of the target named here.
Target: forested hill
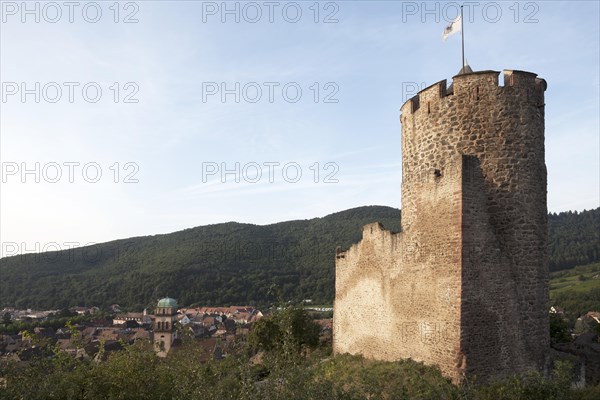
(573, 238)
(231, 262)
(211, 265)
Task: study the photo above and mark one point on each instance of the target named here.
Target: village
(95, 333)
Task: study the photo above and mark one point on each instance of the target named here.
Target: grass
(579, 279)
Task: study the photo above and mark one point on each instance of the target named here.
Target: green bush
(292, 327)
(136, 373)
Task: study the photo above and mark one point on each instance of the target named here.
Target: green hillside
(579, 279)
(232, 262)
(576, 290)
(211, 265)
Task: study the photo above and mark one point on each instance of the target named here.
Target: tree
(291, 326)
(6, 318)
(298, 327)
(559, 329)
(265, 334)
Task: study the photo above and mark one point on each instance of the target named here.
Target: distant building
(115, 308)
(84, 310)
(140, 318)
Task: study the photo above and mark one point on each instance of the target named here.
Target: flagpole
(462, 34)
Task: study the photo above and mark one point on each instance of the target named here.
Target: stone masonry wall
(493, 339)
(471, 256)
(398, 295)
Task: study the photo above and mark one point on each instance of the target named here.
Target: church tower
(164, 321)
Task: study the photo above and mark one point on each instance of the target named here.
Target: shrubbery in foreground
(136, 373)
(281, 360)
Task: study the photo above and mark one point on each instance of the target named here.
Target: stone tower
(165, 317)
(464, 285)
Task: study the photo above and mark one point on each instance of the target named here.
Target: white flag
(452, 28)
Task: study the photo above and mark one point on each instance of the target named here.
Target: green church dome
(167, 302)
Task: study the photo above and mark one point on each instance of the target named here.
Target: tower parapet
(475, 84)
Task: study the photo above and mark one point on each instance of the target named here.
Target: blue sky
(354, 73)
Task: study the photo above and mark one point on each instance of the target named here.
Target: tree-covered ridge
(573, 239)
(232, 263)
(211, 265)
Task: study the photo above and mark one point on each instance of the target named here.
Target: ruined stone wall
(398, 295)
(477, 224)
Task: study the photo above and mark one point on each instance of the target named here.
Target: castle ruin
(464, 285)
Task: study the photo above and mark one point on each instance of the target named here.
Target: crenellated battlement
(475, 85)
